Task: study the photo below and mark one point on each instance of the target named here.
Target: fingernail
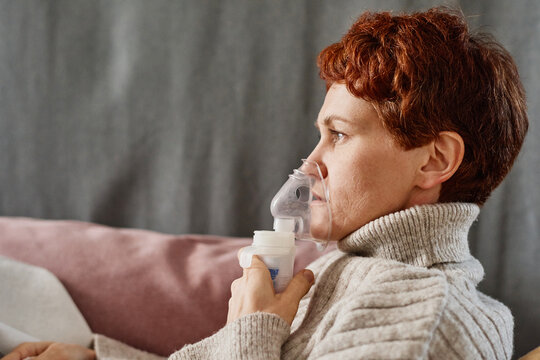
(309, 276)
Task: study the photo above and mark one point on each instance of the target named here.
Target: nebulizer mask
(301, 211)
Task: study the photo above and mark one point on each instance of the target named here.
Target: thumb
(299, 285)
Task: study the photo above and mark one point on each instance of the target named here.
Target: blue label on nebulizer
(274, 273)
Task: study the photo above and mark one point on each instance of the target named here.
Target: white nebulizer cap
(273, 238)
(302, 206)
(284, 224)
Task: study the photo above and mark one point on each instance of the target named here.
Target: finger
(239, 252)
(257, 263)
(235, 285)
(255, 278)
(230, 311)
(13, 356)
(243, 264)
(299, 286)
(28, 349)
(258, 271)
(532, 355)
(67, 351)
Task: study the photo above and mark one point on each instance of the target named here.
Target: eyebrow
(330, 118)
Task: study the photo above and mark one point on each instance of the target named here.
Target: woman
(421, 121)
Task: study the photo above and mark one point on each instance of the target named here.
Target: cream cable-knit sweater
(401, 287)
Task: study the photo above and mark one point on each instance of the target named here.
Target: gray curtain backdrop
(187, 116)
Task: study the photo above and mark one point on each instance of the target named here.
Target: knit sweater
(401, 287)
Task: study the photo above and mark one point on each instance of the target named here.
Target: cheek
(362, 175)
(350, 178)
(371, 184)
(349, 211)
(350, 193)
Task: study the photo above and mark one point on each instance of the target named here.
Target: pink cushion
(153, 291)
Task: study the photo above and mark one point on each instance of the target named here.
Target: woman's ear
(445, 155)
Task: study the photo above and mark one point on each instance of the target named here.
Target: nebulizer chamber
(302, 199)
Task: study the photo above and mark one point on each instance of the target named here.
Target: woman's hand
(532, 355)
(50, 351)
(254, 292)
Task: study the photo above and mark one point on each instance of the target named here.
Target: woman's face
(368, 175)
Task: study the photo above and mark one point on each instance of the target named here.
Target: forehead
(340, 105)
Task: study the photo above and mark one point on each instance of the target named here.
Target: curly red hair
(426, 73)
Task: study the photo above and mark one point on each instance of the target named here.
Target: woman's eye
(336, 135)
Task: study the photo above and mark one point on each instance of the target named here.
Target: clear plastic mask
(302, 205)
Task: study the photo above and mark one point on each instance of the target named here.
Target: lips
(316, 197)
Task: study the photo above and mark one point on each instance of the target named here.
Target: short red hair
(425, 73)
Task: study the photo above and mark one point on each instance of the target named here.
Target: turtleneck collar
(422, 235)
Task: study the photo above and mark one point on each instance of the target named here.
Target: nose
(316, 157)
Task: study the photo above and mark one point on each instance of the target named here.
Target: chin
(319, 230)
(320, 224)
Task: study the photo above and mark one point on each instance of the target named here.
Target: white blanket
(35, 306)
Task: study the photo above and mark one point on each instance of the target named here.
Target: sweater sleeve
(254, 336)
